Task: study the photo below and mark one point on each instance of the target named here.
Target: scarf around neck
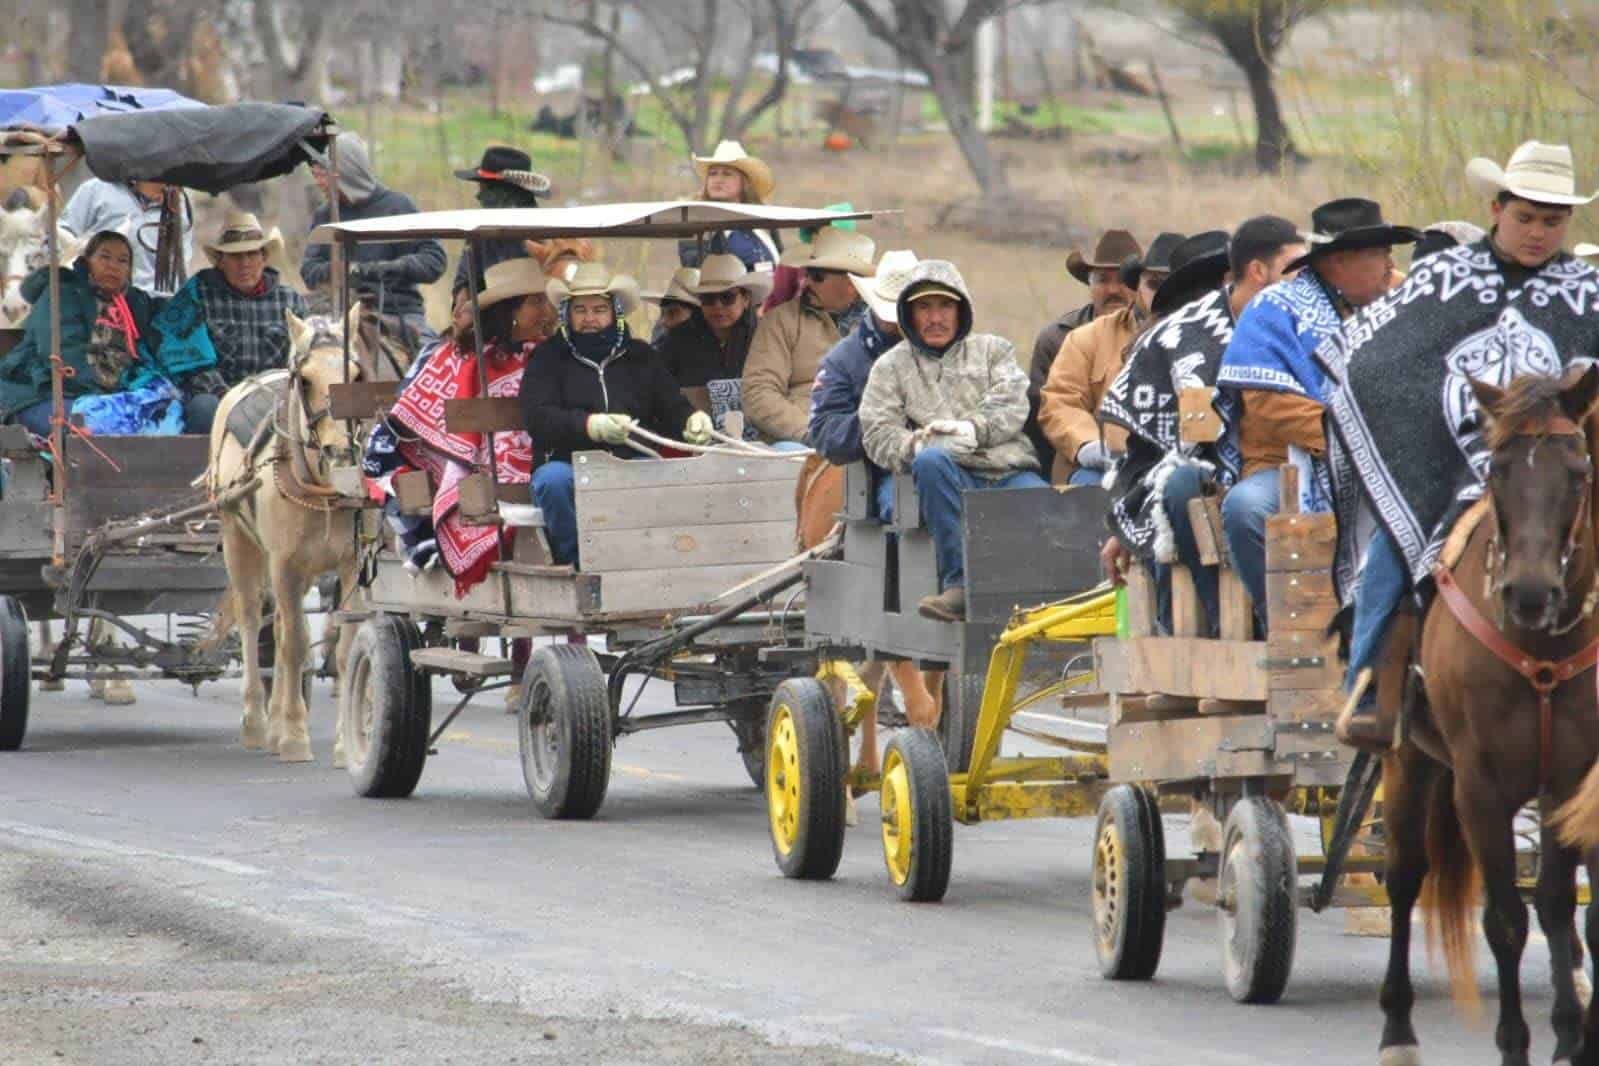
(595, 347)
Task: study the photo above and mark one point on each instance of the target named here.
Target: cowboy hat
(593, 279)
(1349, 224)
(1114, 246)
(1540, 173)
(1158, 259)
(242, 232)
(757, 175)
(1197, 265)
(679, 290)
(719, 273)
(509, 165)
(881, 290)
(509, 279)
(834, 249)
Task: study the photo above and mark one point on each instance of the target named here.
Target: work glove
(957, 437)
(610, 429)
(697, 430)
(1093, 456)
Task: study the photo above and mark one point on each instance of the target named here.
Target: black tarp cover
(210, 149)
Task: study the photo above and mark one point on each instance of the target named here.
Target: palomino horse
(1506, 715)
(23, 250)
(280, 537)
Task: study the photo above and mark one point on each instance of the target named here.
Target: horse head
(318, 364)
(1541, 481)
(23, 250)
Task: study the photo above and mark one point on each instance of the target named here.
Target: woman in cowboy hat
(386, 274)
(712, 343)
(505, 179)
(731, 175)
(588, 386)
(677, 303)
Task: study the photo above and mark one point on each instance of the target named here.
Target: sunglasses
(719, 299)
(817, 274)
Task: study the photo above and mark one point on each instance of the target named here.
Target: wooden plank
(413, 492)
(433, 592)
(1235, 610)
(152, 474)
(1315, 743)
(672, 590)
(907, 505)
(611, 551)
(550, 593)
(1301, 599)
(1303, 659)
(1197, 420)
(1184, 749)
(670, 507)
(858, 502)
(1288, 489)
(1187, 613)
(483, 414)
(453, 661)
(602, 470)
(1188, 666)
(361, 400)
(1300, 542)
(1204, 517)
(1305, 705)
(1030, 545)
(514, 492)
(1110, 665)
(1140, 597)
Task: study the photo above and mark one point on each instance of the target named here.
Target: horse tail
(1578, 818)
(1450, 893)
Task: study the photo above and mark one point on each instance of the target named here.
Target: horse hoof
(1400, 1055)
(339, 761)
(1579, 977)
(52, 686)
(851, 815)
(119, 694)
(253, 741)
(295, 751)
(97, 690)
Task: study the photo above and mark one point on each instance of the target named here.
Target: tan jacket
(1068, 409)
(784, 355)
(1274, 421)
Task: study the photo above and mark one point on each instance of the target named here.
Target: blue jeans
(35, 418)
(1185, 483)
(885, 498)
(199, 411)
(1243, 518)
(940, 480)
(788, 445)
(556, 495)
(1378, 590)
(1084, 476)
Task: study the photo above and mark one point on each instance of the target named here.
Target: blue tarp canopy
(55, 107)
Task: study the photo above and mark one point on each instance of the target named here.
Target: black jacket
(560, 391)
(409, 263)
(495, 251)
(694, 355)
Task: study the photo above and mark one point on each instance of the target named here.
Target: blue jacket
(835, 427)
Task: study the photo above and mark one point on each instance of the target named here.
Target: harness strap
(1543, 675)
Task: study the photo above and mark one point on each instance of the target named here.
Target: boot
(1360, 723)
(947, 606)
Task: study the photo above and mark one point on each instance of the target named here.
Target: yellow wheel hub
(898, 818)
(1107, 893)
(783, 779)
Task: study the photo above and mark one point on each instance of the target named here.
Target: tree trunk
(1274, 145)
(955, 101)
(90, 22)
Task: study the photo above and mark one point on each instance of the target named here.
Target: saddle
(250, 420)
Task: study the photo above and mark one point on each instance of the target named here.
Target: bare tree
(88, 34)
(293, 38)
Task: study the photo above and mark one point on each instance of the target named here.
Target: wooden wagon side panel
(113, 478)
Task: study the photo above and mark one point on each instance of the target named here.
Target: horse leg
(289, 713)
(1556, 901)
(245, 565)
(1588, 1055)
(874, 676)
(46, 649)
(1487, 827)
(1407, 784)
(118, 692)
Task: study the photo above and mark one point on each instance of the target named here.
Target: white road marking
(59, 836)
(1000, 1043)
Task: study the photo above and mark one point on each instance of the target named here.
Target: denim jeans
(556, 495)
(1243, 518)
(199, 411)
(940, 480)
(1185, 483)
(885, 498)
(1382, 583)
(1084, 476)
(35, 418)
(789, 445)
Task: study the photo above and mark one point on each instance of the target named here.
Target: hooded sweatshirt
(975, 379)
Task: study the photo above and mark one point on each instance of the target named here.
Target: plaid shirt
(249, 333)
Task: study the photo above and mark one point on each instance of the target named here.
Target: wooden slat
(1186, 666)
(1283, 647)
(1197, 420)
(1185, 748)
(152, 474)
(1235, 610)
(483, 414)
(1301, 599)
(756, 501)
(1300, 542)
(361, 399)
(1305, 705)
(601, 470)
(1030, 545)
(609, 551)
(433, 591)
(452, 661)
(672, 590)
(1204, 517)
(1187, 613)
(1140, 598)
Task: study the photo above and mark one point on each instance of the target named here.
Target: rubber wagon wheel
(16, 684)
(385, 709)
(564, 732)
(1129, 884)
(749, 726)
(805, 768)
(918, 819)
(957, 726)
(1258, 904)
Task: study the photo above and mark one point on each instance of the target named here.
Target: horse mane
(1528, 401)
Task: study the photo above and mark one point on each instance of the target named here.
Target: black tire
(1258, 896)
(564, 732)
(1129, 884)
(957, 726)
(805, 761)
(385, 709)
(750, 728)
(918, 816)
(16, 678)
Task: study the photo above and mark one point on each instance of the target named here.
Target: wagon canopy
(662, 218)
(55, 107)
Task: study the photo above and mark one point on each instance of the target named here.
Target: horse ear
(1489, 397)
(1579, 392)
(352, 320)
(298, 335)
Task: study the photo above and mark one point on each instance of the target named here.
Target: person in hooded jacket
(588, 386)
(385, 274)
(948, 406)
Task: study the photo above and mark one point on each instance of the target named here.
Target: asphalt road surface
(166, 896)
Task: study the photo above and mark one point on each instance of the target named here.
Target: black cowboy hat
(1114, 246)
(509, 165)
(1157, 258)
(1197, 266)
(1349, 224)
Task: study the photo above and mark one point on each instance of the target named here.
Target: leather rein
(1544, 675)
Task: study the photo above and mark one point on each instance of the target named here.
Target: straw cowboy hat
(509, 165)
(834, 249)
(757, 174)
(679, 290)
(881, 291)
(1114, 246)
(1541, 173)
(1197, 265)
(719, 273)
(510, 279)
(242, 232)
(593, 279)
(1349, 224)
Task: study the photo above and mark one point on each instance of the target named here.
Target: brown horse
(1505, 716)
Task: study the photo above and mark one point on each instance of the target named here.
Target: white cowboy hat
(834, 249)
(1538, 172)
(732, 154)
(593, 279)
(720, 273)
(1585, 250)
(510, 279)
(881, 290)
(680, 289)
(242, 232)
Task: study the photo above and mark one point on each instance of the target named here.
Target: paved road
(459, 921)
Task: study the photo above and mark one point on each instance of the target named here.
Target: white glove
(610, 429)
(956, 437)
(1092, 456)
(697, 430)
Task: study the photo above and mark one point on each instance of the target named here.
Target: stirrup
(1359, 723)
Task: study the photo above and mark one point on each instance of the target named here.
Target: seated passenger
(107, 344)
(708, 350)
(676, 303)
(1090, 358)
(792, 338)
(505, 178)
(947, 405)
(588, 386)
(835, 429)
(1271, 391)
(229, 317)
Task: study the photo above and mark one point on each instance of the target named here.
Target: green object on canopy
(808, 233)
